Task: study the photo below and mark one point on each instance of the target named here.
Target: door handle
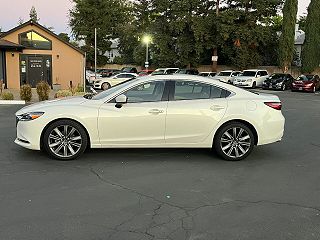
(155, 111)
(217, 108)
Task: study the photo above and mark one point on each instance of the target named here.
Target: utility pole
(215, 49)
(95, 53)
(147, 56)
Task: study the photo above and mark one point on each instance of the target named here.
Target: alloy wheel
(105, 86)
(64, 141)
(235, 142)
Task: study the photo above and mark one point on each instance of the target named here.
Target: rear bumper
(273, 129)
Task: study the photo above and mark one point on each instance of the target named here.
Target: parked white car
(176, 111)
(227, 76)
(251, 78)
(207, 74)
(164, 71)
(106, 83)
(91, 76)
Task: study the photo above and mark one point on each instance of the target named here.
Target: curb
(12, 102)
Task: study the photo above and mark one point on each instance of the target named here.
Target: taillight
(274, 105)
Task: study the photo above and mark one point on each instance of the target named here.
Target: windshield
(248, 74)
(224, 74)
(112, 90)
(182, 71)
(276, 76)
(158, 72)
(305, 78)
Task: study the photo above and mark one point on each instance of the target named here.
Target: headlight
(29, 116)
(249, 80)
(279, 83)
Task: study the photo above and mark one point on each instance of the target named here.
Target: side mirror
(120, 100)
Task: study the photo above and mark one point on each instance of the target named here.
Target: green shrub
(79, 93)
(25, 92)
(79, 88)
(43, 90)
(74, 90)
(63, 93)
(7, 96)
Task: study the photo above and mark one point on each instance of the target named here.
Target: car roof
(165, 68)
(255, 70)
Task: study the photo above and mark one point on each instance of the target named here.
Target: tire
(65, 140)
(314, 89)
(237, 150)
(105, 86)
(254, 85)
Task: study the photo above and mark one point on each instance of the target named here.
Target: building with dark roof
(30, 53)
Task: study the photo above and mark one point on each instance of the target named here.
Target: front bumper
(29, 134)
(271, 86)
(242, 84)
(302, 88)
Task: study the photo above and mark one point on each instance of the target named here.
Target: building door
(35, 68)
(2, 67)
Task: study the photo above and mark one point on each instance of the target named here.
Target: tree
(64, 36)
(311, 51)
(20, 21)
(286, 44)
(106, 16)
(33, 14)
(302, 22)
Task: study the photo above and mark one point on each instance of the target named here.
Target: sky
(54, 13)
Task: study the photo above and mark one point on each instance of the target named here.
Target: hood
(45, 104)
(276, 80)
(244, 77)
(221, 77)
(303, 82)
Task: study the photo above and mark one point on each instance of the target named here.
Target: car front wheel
(65, 140)
(105, 86)
(234, 141)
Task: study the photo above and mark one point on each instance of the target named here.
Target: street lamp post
(147, 40)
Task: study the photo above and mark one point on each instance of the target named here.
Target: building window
(34, 40)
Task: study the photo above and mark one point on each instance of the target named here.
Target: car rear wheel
(234, 141)
(65, 140)
(105, 86)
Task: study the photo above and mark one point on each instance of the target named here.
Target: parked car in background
(164, 71)
(129, 70)
(227, 76)
(145, 72)
(207, 74)
(251, 78)
(278, 81)
(91, 76)
(106, 83)
(176, 111)
(307, 83)
(189, 71)
(109, 72)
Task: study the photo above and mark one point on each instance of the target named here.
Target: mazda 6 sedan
(162, 111)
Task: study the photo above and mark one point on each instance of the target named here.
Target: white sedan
(165, 111)
(106, 83)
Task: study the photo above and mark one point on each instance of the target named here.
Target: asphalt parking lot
(167, 194)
